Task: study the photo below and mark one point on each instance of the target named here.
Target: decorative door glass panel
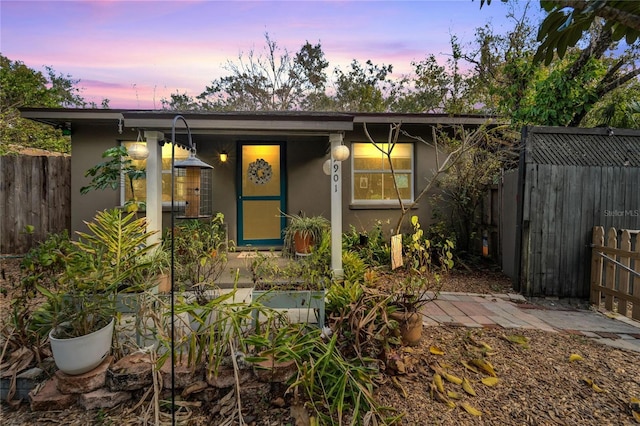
(262, 195)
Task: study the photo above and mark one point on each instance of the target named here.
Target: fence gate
(615, 270)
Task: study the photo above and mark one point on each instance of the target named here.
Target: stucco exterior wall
(88, 144)
(308, 188)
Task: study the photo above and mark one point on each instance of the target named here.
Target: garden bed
(537, 384)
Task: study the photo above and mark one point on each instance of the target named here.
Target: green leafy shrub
(311, 272)
(339, 390)
(200, 250)
(353, 265)
(44, 263)
(443, 244)
(421, 256)
(372, 245)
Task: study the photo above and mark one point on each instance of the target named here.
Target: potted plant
(83, 306)
(302, 233)
(407, 298)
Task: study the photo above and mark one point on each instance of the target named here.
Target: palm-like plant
(104, 261)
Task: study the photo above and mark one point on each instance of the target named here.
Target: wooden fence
(619, 279)
(35, 191)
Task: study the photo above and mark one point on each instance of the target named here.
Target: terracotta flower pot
(302, 243)
(410, 327)
(270, 371)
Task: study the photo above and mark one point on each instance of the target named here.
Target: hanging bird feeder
(196, 185)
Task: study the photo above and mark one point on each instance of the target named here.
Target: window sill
(380, 206)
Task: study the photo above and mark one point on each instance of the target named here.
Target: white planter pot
(81, 354)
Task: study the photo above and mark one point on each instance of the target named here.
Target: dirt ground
(537, 383)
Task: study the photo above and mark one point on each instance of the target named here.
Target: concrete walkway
(513, 311)
(509, 311)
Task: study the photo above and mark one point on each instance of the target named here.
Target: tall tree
(272, 81)
(437, 88)
(561, 94)
(568, 21)
(363, 88)
(21, 86)
(424, 90)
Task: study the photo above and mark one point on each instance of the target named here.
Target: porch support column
(336, 208)
(154, 185)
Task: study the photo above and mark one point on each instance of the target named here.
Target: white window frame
(381, 202)
(165, 204)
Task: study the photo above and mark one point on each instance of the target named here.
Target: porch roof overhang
(199, 122)
(417, 118)
(203, 122)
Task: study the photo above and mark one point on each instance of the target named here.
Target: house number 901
(336, 176)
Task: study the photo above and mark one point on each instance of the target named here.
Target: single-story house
(264, 163)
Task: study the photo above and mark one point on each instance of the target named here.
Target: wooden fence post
(623, 287)
(635, 313)
(610, 278)
(596, 264)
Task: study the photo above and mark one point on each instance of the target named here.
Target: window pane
(401, 157)
(403, 181)
(140, 185)
(364, 163)
(372, 179)
(367, 186)
(139, 188)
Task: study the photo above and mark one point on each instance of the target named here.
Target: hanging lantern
(196, 185)
(326, 167)
(340, 153)
(138, 151)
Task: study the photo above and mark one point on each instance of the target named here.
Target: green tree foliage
(424, 90)
(180, 102)
(364, 88)
(568, 21)
(561, 94)
(274, 81)
(437, 88)
(21, 86)
(619, 108)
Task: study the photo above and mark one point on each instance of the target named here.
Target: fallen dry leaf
(575, 357)
(471, 410)
(466, 385)
(436, 350)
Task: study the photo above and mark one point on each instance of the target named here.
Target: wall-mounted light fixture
(326, 167)
(340, 153)
(224, 156)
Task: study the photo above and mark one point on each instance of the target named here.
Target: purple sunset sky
(137, 52)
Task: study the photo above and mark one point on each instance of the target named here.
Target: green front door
(261, 194)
